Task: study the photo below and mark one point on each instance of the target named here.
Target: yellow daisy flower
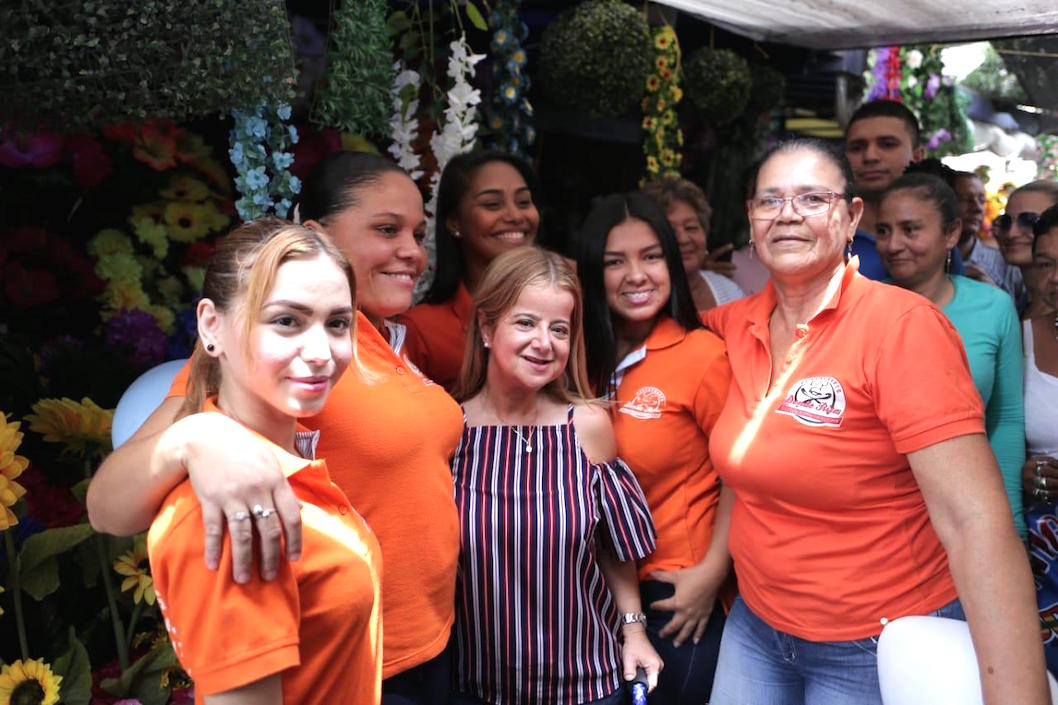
(677, 94)
(83, 427)
(649, 123)
(668, 117)
(153, 233)
(29, 681)
(11, 466)
(119, 267)
(215, 220)
(661, 62)
(665, 38)
(679, 137)
(652, 164)
(185, 188)
(659, 136)
(661, 104)
(124, 295)
(130, 564)
(668, 157)
(187, 221)
(653, 82)
(109, 242)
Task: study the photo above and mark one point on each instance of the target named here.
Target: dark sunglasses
(1026, 220)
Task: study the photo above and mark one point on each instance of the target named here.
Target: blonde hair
(501, 285)
(238, 279)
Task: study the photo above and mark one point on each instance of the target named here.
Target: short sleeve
(921, 384)
(623, 508)
(178, 388)
(712, 391)
(226, 635)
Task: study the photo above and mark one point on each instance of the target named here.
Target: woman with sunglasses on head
(918, 223)
(486, 205)
(551, 521)
(865, 489)
(1013, 232)
(666, 379)
(388, 436)
(275, 334)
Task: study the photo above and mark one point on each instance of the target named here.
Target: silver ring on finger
(239, 516)
(260, 512)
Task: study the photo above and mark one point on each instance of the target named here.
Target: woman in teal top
(917, 226)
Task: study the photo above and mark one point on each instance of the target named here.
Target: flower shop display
(595, 57)
(509, 113)
(95, 63)
(718, 84)
(354, 97)
(259, 144)
(664, 139)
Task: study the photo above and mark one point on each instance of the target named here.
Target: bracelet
(633, 618)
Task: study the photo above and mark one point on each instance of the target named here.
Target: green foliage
(141, 680)
(355, 95)
(39, 569)
(75, 63)
(76, 670)
(718, 84)
(993, 79)
(767, 90)
(595, 58)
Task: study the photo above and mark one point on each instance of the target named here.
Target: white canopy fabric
(854, 24)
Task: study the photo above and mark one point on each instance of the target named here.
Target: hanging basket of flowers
(595, 57)
(718, 83)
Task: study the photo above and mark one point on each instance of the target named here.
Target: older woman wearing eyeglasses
(864, 487)
(1013, 231)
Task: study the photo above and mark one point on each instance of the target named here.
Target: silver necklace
(528, 445)
(517, 432)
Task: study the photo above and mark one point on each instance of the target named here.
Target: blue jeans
(759, 665)
(428, 683)
(688, 674)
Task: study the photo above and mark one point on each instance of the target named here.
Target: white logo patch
(646, 403)
(815, 401)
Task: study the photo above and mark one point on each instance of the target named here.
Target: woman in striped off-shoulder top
(551, 522)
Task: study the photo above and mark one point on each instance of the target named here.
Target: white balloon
(930, 660)
(141, 399)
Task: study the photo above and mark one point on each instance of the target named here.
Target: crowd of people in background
(563, 472)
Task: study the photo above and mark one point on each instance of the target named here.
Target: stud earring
(210, 347)
(457, 234)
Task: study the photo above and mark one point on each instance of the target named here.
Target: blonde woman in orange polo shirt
(667, 379)
(388, 440)
(865, 488)
(275, 326)
(486, 205)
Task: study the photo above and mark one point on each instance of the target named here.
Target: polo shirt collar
(666, 333)
(305, 442)
(760, 314)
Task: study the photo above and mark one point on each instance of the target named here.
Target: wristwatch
(633, 618)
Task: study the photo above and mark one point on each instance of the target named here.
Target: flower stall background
(132, 136)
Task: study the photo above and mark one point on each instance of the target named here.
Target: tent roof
(852, 24)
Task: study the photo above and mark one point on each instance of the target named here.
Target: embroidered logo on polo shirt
(815, 401)
(647, 403)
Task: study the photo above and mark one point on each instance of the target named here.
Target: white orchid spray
(404, 126)
(456, 134)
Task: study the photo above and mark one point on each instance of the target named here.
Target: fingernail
(212, 565)
(269, 575)
(242, 578)
(295, 556)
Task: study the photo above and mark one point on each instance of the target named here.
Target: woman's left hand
(637, 652)
(691, 604)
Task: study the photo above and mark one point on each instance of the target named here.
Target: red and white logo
(647, 403)
(815, 401)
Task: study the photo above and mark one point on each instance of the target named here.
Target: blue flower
(283, 207)
(281, 160)
(518, 58)
(530, 134)
(256, 178)
(256, 127)
(294, 184)
(283, 111)
(293, 133)
(236, 154)
(501, 39)
(513, 67)
(509, 93)
(262, 199)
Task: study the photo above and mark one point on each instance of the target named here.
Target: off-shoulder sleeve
(623, 508)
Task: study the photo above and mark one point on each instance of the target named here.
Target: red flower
(124, 132)
(29, 287)
(156, 148)
(40, 150)
(312, 147)
(91, 165)
(198, 254)
(51, 505)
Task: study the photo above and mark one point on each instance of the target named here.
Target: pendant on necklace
(528, 446)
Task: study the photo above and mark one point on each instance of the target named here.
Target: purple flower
(932, 86)
(40, 150)
(878, 89)
(137, 332)
(937, 138)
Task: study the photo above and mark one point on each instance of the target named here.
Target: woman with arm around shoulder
(666, 379)
(487, 204)
(918, 222)
(274, 336)
(864, 486)
(551, 523)
(388, 437)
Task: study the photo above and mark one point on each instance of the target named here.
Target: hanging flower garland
(664, 138)
(510, 113)
(403, 125)
(1047, 165)
(886, 73)
(259, 143)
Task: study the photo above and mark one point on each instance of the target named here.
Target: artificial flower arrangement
(260, 140)
(664, 139)
(509, 113)
(718, 84)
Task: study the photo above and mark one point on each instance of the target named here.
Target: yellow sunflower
(662, 62)
(152, 233)
(119, 267)
(185, 188)
(214, 217)
(649, 123)
(665, 38)
(661, 104)
(124, 294)
(652, 164)
(653, 82)
(83, 427)
(29, 681)
(668, 118)
(677, 94)
(130, 564)
(187, 221)
(668, 157)
(109, 242)
(11, 466)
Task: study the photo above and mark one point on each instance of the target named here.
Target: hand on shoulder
(595, 431)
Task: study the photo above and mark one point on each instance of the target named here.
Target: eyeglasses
(1026, 219)
(769, 207)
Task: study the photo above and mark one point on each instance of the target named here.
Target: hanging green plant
(718, 83)
(595, 57)
(355, 95)
(767, 89)
(84, 64)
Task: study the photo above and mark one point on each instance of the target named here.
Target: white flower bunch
(404, 126)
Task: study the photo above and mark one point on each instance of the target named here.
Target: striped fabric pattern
(535, 622)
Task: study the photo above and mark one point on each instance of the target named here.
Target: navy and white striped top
(535, 622)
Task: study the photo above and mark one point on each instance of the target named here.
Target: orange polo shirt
(388, 443)
(669, 394)
(318, 623)
(437, 337)
(829, 530)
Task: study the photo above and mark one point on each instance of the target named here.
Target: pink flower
(40, 150)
